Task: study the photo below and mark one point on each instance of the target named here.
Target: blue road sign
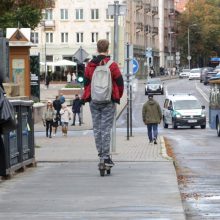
(135, 66)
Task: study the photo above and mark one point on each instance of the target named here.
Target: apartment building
(150, 26)
(70, 26)
(75, 25)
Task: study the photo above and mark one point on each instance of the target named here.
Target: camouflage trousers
(102, 117)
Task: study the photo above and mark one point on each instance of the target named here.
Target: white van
(183, 110)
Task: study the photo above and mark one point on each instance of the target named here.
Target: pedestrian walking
(74, 77)
(103, 113)
(1, 81)
(69, 77)
(48, 117)
(62, 98)
(57, 106)
(65, 113)
(152, 116)
(76, 109)
(47, 82)
(2, 148)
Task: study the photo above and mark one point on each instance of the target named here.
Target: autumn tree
(22, 13)
(202, 19)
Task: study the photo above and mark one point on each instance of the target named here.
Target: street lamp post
(45, 51)
(189, 57)
(188, 37)
(170, 49)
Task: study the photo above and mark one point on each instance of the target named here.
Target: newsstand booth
(19, 58)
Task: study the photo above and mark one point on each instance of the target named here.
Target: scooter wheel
(108, 171)
(102, 172)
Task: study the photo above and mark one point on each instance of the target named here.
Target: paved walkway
(66, 183)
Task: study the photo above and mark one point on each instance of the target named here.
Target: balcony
(147, 8)
(154, 10)
(139, 27)
(171, 11)
(147, 29)
(155, 30)
(139, 5)
(49, 24)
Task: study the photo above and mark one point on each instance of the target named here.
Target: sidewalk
(66, 183)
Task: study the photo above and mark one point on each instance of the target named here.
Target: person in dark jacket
(76, 109)
(103, 114)
(47, 82)
(1, 81)
(57, 106)
(2, 148)
(152, 115)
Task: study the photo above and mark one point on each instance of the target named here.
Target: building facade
(76, 26)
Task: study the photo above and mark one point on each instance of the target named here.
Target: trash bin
(19, 144)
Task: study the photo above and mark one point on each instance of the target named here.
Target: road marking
(202, 93)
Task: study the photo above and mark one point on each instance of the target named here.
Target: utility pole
(116, 10)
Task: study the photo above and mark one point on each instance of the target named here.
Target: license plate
(192, 121)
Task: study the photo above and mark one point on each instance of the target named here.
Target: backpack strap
(109, 63)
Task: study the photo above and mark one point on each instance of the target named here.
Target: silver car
(154, 86)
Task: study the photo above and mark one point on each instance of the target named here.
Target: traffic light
(81, 70)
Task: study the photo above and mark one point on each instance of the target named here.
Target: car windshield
(154, 81)
(185, 70)
(195, 71)
(186, 104)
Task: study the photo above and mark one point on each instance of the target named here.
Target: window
(94, 14)
(109, 17)
(108, 36)
(34, 37)
(79, 37)
(48, 14)
(79, 14)
(64, 37)
(94, 37)
(49, 37)
(63, 14)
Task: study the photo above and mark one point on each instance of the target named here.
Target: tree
(22, 13)
(202, 17)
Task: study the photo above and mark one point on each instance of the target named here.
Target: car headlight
(203, 114)
(177, 114)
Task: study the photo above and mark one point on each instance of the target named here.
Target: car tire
(174, 125)
(203, 126)
(218, 127)
(165, 125)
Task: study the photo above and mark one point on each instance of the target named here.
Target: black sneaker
(109, 162)
(155, 141)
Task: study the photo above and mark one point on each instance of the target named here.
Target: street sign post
(135, 66)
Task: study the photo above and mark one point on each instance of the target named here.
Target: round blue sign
(135, 66)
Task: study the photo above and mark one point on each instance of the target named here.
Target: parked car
(154, 86)
(183, 110)
(195, 73)
(204, 72)
(217, 69)
(184, 73)
(208, 76)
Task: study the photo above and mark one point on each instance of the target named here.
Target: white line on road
(202, 93)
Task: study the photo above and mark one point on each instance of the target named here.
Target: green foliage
(22, 13)
(73, 85)
(205, 35)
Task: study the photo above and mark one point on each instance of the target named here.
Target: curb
(164, 150)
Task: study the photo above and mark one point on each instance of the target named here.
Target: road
(196, 152)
